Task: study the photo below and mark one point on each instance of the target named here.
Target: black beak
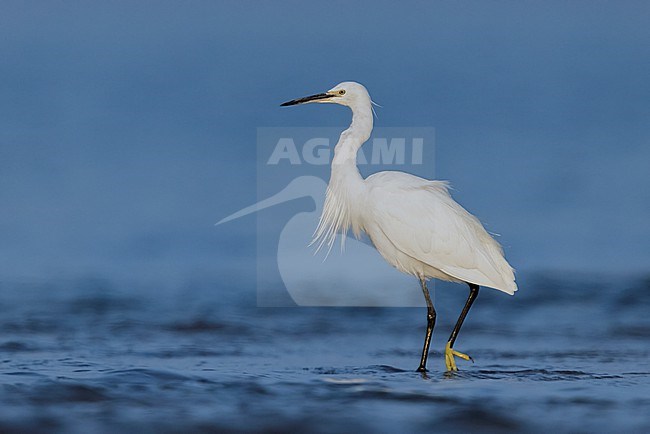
(306, 99)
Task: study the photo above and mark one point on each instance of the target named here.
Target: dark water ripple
(563, 356)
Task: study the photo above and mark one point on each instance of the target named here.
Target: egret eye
(342, 92)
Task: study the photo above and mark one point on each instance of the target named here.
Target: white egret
(413, 222)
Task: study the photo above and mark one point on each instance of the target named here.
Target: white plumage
(413, 223)
(431, 234)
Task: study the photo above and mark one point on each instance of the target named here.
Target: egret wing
(421, 219)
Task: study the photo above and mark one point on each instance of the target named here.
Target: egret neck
(345, 191)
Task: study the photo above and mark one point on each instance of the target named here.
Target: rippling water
(92, 355)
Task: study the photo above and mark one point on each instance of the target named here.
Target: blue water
(90, 355)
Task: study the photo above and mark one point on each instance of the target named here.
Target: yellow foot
(449, 357)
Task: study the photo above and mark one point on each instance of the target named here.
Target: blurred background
(127, 129)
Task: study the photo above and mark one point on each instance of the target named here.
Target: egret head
(348, 93)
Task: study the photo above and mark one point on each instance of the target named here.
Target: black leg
(431, 322)
(449, 351)
(473, 293)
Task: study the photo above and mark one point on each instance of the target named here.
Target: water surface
(92, 355)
